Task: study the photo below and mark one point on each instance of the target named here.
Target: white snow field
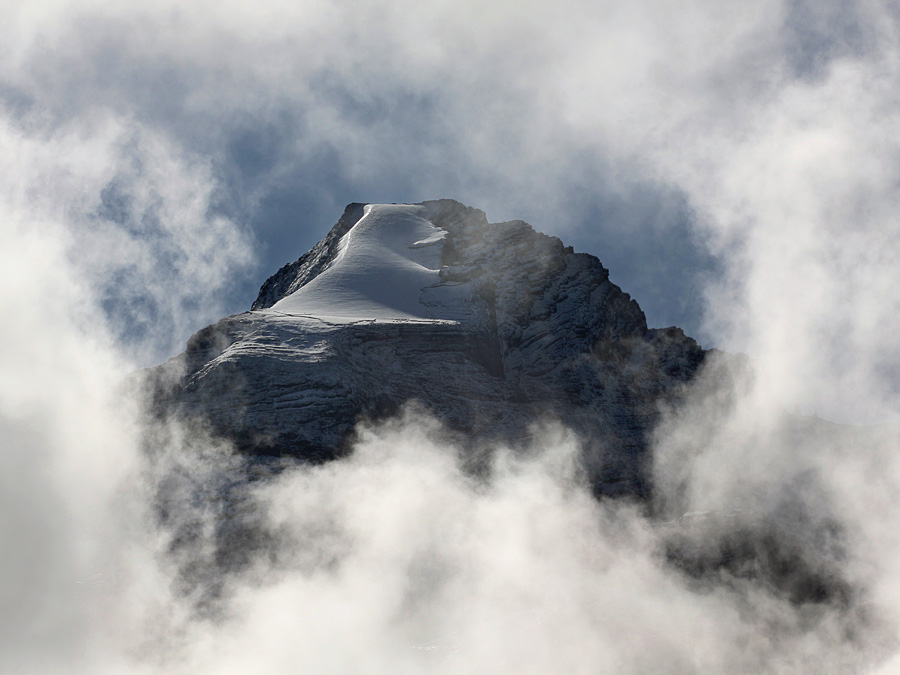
(386, 270)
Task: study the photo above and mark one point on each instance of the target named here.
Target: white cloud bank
(779, 124)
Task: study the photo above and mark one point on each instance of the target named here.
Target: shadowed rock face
(488, 326)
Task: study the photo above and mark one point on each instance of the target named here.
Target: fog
(154, 154)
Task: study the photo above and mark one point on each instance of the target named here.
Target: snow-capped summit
(489, 326)
(385, 268)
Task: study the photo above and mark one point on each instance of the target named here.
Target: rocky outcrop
(512, 327)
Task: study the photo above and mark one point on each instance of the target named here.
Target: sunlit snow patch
(386, 269)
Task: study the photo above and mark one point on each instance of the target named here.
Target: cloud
(131, 215)
(79, 548)
(521, 111)
(394, 559)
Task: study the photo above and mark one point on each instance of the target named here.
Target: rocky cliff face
(488, 326)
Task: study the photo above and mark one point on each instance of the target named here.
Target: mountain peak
(387, 227)
(488, 326)
(386, 267)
